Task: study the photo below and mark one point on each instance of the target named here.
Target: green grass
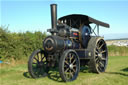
(116, 74)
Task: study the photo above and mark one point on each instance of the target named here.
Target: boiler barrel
(57, 44)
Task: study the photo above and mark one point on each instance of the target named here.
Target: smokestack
(54, 16)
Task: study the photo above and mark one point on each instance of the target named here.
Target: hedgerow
(117, 50)
(19, 45)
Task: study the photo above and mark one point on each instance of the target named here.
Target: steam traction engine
(70, 46)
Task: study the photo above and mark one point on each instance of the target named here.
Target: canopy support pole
(98, 30)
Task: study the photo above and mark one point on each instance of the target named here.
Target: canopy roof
(76, 20)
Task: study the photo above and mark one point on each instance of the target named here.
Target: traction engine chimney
(54, 16)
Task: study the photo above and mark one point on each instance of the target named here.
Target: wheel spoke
(96, 51)
(38, 56)
(66, 70)
(66, 62)
(66, 66)
(34, 63)
(96, 59)
(74, 70)
(74, 61)
(100, 69)
(97, 47)
(71, 74)
(104, 59)
(96, 54)
(99, 42)
(97, 65)
(101, 45)
(70, 57)
(102, 65)
(42, 58)
(36, 59)
(66, 75)
(103, 51)
(74, 65)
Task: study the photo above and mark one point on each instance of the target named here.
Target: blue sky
(34, 15)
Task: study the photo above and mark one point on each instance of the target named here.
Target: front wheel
(37, 64)
(69, 65)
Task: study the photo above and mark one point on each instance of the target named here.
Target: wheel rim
(71, 66)
(39, 64)
(101, 56)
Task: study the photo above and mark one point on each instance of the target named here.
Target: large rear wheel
(69, 65)
(37, 64)
(99, 60)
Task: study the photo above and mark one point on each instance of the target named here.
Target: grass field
(116, 74)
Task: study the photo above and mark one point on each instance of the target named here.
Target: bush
(117, 50)
(19, 45)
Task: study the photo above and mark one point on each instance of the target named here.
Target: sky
(34, 15)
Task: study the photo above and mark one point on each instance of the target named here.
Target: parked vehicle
(69, 47)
